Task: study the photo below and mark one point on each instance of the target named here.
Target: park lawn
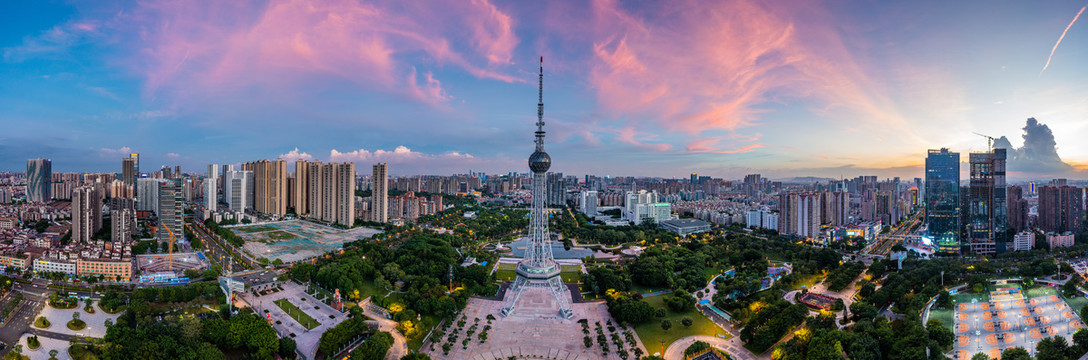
(966, 298)
(570, 268)
(1044, 290)
(254, 229)
(646, 289)
(808, 281)
(280, 235)
(652, 336)
(945, 316)
(319, 293)
(505, 275)
(426, 323)
(295, 313)
(571, 277)
(1076, 303)
(369, 289)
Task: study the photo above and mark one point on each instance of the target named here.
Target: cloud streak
(1048, 58)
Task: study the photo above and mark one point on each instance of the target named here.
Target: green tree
(1054, 348)
(941, 334)
(980, 356)
(686, 321)
(1015, 353)
(287, 347)
(696, 348)
(53, 354)
(1080, 340)
(416, 356)
(666, 324)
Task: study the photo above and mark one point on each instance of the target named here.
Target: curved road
(400, 344)
(675, 351)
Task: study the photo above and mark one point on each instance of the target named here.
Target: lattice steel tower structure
(539, 269)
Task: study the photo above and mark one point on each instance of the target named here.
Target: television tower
(539, 269)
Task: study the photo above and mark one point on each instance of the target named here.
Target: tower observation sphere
(540, 162)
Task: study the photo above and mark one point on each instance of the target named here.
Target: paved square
(96, 323)
(47, 344)
(1010, 320)
(306, 340)
(532, 331)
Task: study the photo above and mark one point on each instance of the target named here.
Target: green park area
(295, 313)
(655, 338)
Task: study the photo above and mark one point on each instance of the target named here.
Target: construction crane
(989, 140)
(170, 256)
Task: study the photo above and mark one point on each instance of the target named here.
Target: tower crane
(989, 140)
(170, 256)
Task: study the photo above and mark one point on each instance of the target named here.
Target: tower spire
(540, 109)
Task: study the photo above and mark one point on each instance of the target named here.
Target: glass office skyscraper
(39, 180)
(942, 200)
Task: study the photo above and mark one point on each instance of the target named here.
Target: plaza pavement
(59, 318)
(47, 344)
(532, 331)
(306, 340)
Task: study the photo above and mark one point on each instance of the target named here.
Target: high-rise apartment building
(379, 196)
(39, 180)
(588, 203)
(130, 170)
(270, 186)
(325, 191)
(799, 214)
(836, 211)
(123, 224)
(301, 193)
(556, 189)
(1018, 208)
(211, 197)
(171, 209)
(147, 194)
(988, 209)
(236, 189)
(942, 200)
(1061, 208)
(86, 212)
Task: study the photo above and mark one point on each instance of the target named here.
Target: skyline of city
(844, 90)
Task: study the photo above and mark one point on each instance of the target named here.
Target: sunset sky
(658, 88)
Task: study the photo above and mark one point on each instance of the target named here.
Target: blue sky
(793, 88)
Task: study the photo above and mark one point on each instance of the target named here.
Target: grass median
(295, 313)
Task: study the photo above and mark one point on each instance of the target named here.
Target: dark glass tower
(942, 198)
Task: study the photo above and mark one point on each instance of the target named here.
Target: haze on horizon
(786, 89)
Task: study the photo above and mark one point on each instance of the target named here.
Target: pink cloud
(710, 145)
(696, 67)
(193, 48)
(631, 136)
